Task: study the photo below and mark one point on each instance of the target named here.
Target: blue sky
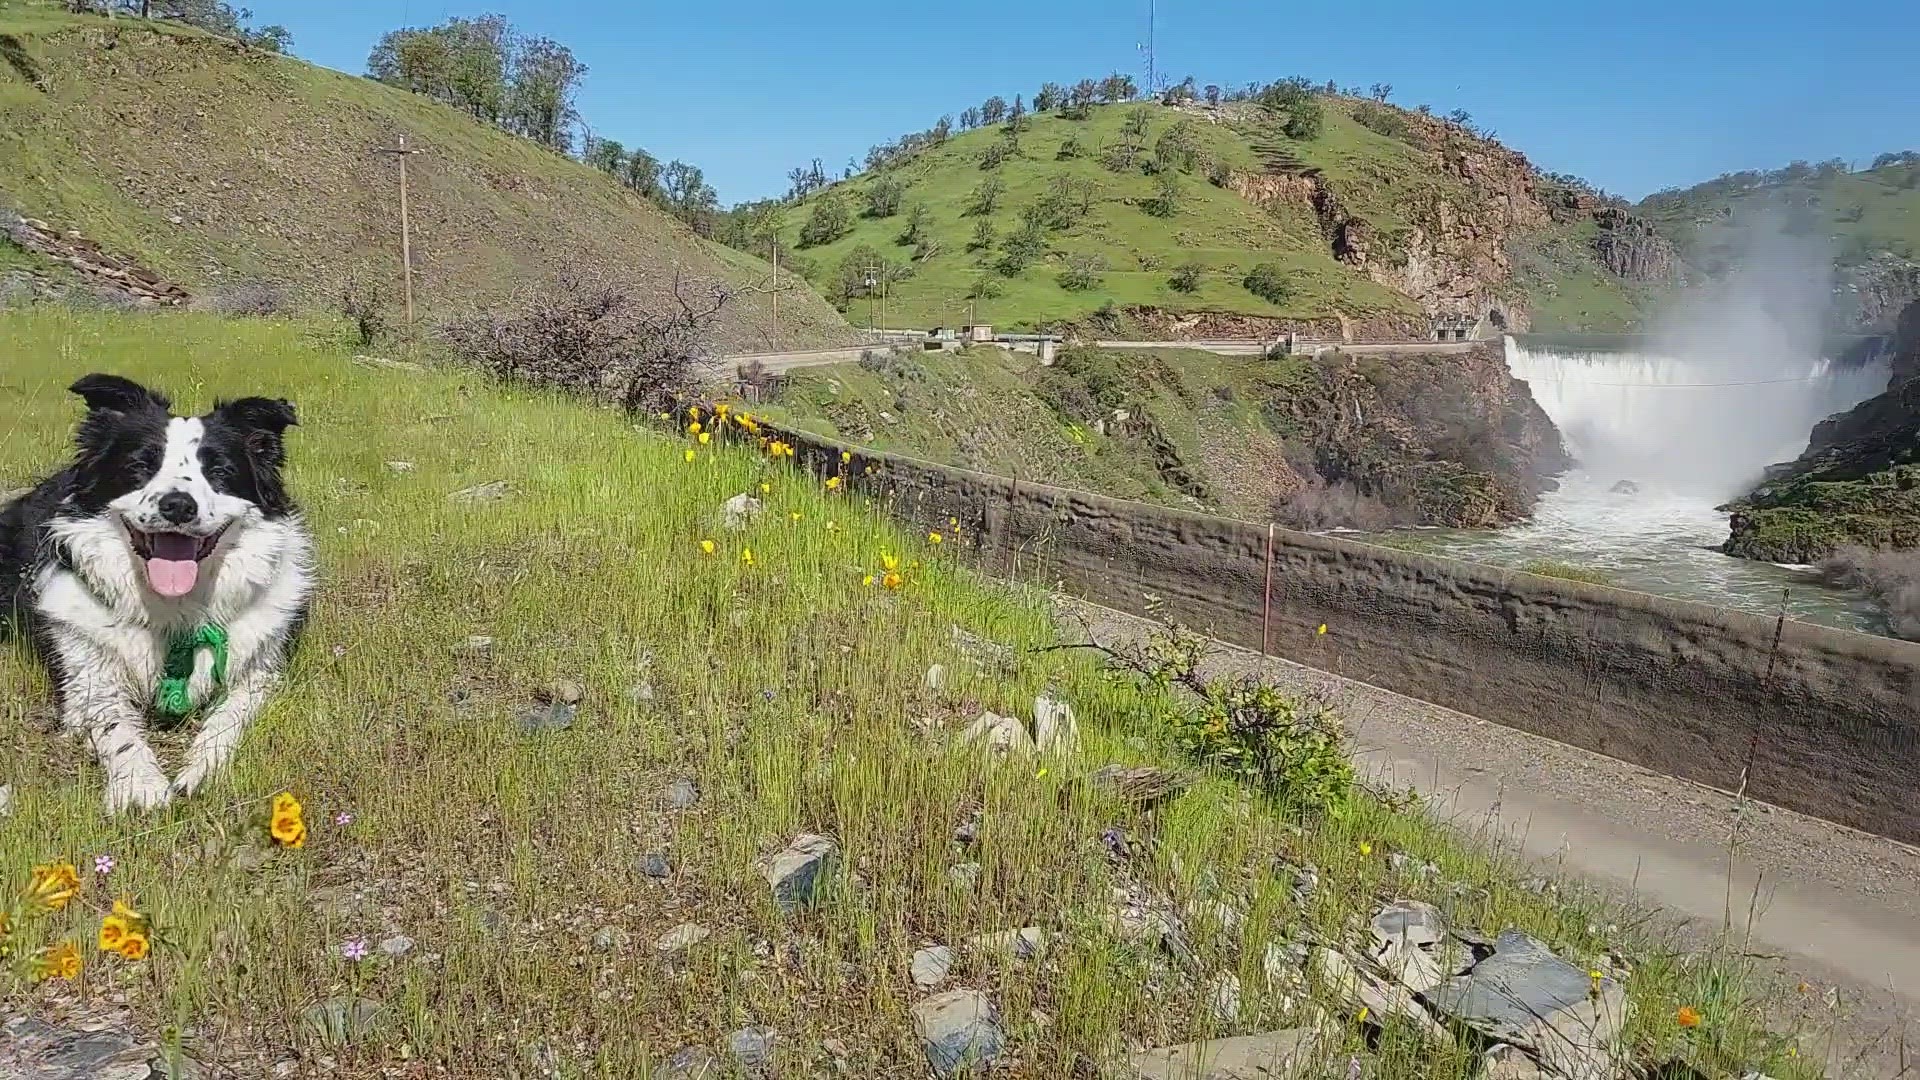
(1632, 95)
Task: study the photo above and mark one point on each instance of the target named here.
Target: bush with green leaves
(1292, 749)
(1186, 277)
(1070, 148)
(1082, 272)
(986, 198)
(919, 221)
(986, 287)
(828, 222)
(1383, 119)
(1166, 198)
(884, 195)
(983, 235)
(996, 155)
(1268, 282)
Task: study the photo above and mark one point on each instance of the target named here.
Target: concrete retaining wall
(1827, 721)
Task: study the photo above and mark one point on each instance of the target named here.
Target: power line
(1686, 386)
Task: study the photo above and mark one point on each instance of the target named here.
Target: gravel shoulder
(1813, 903)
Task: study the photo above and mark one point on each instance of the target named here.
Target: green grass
(1212, 225)
(1567, 290)
(1874, 212)
(216, 166)
(1566, 571)
(791, 692)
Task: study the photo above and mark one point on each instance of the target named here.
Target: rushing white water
(1660, 440)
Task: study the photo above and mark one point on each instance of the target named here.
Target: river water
(1661, 440)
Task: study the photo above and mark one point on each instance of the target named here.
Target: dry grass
(787, 689)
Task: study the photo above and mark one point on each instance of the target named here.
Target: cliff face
(1446, 439)
(1857, 483)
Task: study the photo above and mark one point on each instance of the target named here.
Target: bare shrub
(757, 382)
(364, 303)
(1341, 505)
(589, 333)
(1891, 578)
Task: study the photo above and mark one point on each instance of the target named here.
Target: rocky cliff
(1858, 483)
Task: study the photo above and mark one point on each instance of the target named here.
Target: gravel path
(1833, 908)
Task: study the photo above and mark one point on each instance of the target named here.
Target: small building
(979, 333)
(1452, 327)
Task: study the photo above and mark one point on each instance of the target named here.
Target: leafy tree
(1137, 121)
(1179, 149)
(1268, 282)
(1017, 115)
(884, 195)
(919, 223)
(828, 222)
(996, 155)
(941, 130)
(1380, 91)
(993, 110)
(1069, 148)
(1387, 121)
(1305, 119)
(1022, 246)
(1116, 88)
(970, 119)
(1082, 272)
(213, 16)
(686, 193)
(1213, 96)
(986, 287)
(983, 235)
(1461, 117)
(986, 198)
(641, 172)
(1080, 99)
(607, 155)
(1051, 96)
(466, 63)
(1187, 277)
(540, 103)
(1166, 199)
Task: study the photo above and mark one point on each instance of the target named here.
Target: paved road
(725, 367)
(1830, 907)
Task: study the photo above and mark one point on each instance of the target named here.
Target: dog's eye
(147, 461)
(216, 463)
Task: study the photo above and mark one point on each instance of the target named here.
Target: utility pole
(774, 333)
(1153, 84)
(872, 281)
(403, 152)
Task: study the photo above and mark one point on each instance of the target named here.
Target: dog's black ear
(271, 415)
(113, 393)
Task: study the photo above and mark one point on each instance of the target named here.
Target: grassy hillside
(1452, 442)
(218, 167)
(1249, 195)
(1868, 221)
(510, 881)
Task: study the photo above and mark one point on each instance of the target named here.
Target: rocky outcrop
(1858, 483)
(92, 263)
(1632, 248)
(1163, 325)
(1447, 438)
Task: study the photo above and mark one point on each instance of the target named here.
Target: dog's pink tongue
(173, 569)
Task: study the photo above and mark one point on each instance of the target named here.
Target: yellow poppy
(705, 438)
(135, 947)
(693, 428)
(288, 830)
(746, 556)
(892, 580)
(706, 547)
(53, 885)
(845, 456)
(61, 961)
(689, 454)
(933, 538)
(833, 483)
(1687, 1017)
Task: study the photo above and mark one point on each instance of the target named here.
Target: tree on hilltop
(993, 110)
(1051, 96)
(1116, 88)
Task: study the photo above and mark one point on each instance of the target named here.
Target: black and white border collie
(161, 527)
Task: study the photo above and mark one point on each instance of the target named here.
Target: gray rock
(998, 734)
(655, 865)
(1525, 995)
(752, 1047)
(570, 691)
(609, 938)
(397, 945)
(968, 831)
(738, 512)
(960, 1031)
(681, 938)
(930, 966)
(681, 794)
(936, 679)
(6, 799)
(548, 716)
(1402, 863)
(492, 491)
(341, 1021)
(1624, 487)
(799, 872)
(1054, 728)
(1382, 1000)
(1027, 943)
(475, 643)
(34, 1050)
(1405, 935)
(492, 921)
(965, 875)
(640, 691)
(400, 466)
(1504, 1062)
(691, 1063)
(1248, 1057)
(1223, 997)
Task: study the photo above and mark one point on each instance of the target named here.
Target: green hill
(221, 168)
(1380, 218)
(1869, 220)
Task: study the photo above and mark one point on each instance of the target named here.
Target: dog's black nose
(178, 507)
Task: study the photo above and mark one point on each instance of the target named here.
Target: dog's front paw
(142, 790)
(191, 778)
